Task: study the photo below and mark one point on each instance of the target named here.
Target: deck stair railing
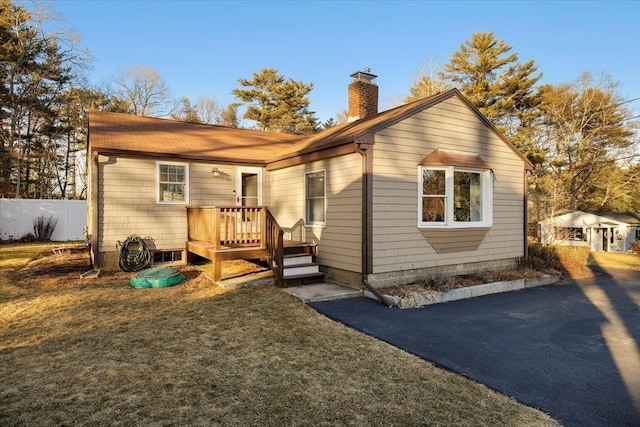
(275, 247)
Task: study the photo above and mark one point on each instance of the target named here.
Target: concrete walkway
(322, 292)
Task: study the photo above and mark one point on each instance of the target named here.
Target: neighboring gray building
(602, 231)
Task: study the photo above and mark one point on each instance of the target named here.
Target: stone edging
(417, 300)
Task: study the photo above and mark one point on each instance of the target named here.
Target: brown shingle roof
(117, 132)
(350, 132)
(143, 135)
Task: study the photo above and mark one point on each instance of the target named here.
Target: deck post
(216, 227)
(217, 264)
(217, 269)
(263, 228)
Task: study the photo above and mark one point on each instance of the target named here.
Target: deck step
(297, 259)
(300, 269)
(300, 248)
(303, 279)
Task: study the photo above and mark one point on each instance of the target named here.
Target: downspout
(365, 148)
(95, 181)
(525, 213)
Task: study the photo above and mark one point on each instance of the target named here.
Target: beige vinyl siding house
(398, 244)
(123, 193)
(128, 203)
(385, 199)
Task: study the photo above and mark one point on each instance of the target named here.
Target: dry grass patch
(574, 260)
(14, 255)
(99, 352)
(561, 260)
(615, 260)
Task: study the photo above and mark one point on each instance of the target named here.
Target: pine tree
(34, 72)
(229, 115)
(277, 104)
(69, 133)
(490, 76)
(187, 113)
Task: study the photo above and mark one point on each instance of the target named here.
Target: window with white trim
(315, 200)
(451, 196)
(172, 183)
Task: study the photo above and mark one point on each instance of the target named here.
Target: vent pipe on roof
(363, 95)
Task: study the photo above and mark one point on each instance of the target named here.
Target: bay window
(454, 197)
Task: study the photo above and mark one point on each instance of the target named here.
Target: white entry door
(248, 186)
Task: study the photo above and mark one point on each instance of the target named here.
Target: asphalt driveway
(570, 349)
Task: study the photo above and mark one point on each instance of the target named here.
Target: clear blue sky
(203, 47)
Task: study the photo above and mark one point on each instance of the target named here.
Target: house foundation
(397, 278)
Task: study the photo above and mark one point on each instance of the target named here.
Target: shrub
(635, 247)
(541, 258)
(440, 283)
(27, 238)
(556, 258)
(43, 228)
(573, 258)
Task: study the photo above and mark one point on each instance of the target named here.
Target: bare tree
(208, 110)
(144, 92)
(427, 83)
(586, 132)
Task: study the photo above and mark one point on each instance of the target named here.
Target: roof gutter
(365, 148)
(180, 156)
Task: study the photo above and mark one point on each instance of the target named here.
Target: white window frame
(186, 184)
(486, 182)
(306, 199)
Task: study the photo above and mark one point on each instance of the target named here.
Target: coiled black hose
(134, 254)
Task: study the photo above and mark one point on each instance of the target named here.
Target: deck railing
(275, 247)
(228, 225)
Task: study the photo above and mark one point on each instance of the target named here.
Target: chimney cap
(364, 75)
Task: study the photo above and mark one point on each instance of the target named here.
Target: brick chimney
(363, 95)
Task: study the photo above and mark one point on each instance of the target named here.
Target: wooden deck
(224, 253)
(239, 232)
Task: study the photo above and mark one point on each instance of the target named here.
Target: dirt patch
(61, 269)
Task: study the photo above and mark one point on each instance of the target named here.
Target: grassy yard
(98, 352)
(615, 260)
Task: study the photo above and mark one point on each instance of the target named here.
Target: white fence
(17, 215)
